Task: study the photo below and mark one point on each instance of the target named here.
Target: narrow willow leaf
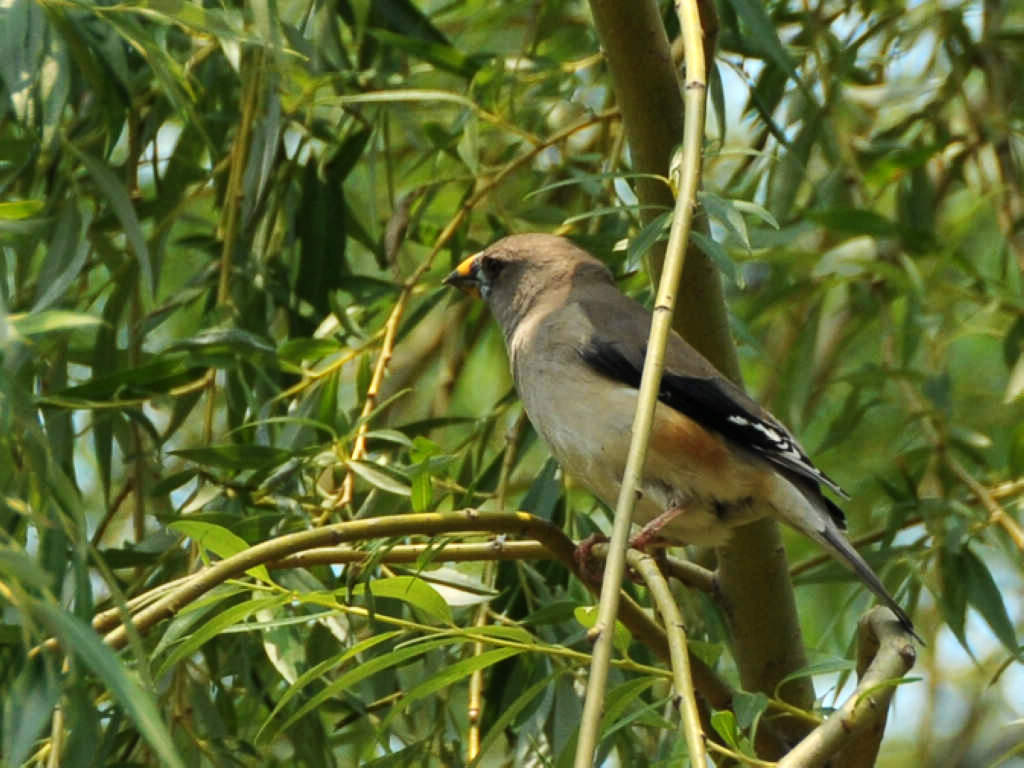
(20, 209)
(362, 672)
(378, 478)
(220, 541)
(116, 195)
(762, 35)
(985, 596)
(621, 637)
(719, 256)
(226, 619)
(81, 640)
(319, 671)
(511, 712)
(238, 456)
(50, 321)
(412, 590)
(448, 675)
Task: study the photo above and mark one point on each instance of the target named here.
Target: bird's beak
(464, 276)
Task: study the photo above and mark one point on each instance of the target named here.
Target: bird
(716, 459)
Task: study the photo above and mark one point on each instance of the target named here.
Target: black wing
(709, 403)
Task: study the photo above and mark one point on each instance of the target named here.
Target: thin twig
(475, 705)
(739, 756)
(996, 513)
(665, 602)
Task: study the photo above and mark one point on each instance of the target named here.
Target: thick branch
(753, 578)
(885, 653)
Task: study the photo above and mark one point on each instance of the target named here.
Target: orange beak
(464, 276)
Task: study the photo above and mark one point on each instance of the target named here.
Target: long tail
(807, 510)
(836, 543)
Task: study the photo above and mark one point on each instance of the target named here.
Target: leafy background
(222, 233)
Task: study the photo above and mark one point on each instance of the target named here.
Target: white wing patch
(783, 445)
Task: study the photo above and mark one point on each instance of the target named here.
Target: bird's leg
(645, 541)
(648, 535)
(583, 555)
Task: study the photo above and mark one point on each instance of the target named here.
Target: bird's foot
(645, 541)
(585, 561)
(649, 534)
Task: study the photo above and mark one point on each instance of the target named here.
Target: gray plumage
(576, 345)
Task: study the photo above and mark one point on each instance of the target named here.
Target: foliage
(222, 234)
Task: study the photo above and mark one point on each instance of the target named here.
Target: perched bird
(716, 459)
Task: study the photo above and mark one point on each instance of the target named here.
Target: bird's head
(517, 272)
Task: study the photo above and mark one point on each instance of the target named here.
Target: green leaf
(724, 723)
(50, 321)
(220, 541)
(366, 669)
(760, 33)
(21, 209)
(544, 493)
(510, 712)
(377, 477)
(623, 698)
(589, 178)
(422, 492)
(114, 192)
(753, 209)
(228, 340)
(320, 670)
(1016, 452)
(66, 255)
(727, 213)
(239, 456)
(450, 674)
(953, 596)
(985, 596)
(223, 620)
(81, 640)
(305, 349)
(1015, 382)
(21, 569)
(855, 221)
(157, 375)
(441, 55)
(827, 667)
(621, 637)
(412, 590)
(29, 698)
(390, 436)
(652, 232)
(719, 256)
(748, 708)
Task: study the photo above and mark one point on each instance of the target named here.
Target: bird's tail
(839, 547)
(812, 515)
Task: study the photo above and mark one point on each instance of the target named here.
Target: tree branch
(323, 545)
(681, 676)
(885, 653)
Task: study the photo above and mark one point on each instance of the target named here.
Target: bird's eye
(491, 267)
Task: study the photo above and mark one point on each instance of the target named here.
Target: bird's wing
(692, 386)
